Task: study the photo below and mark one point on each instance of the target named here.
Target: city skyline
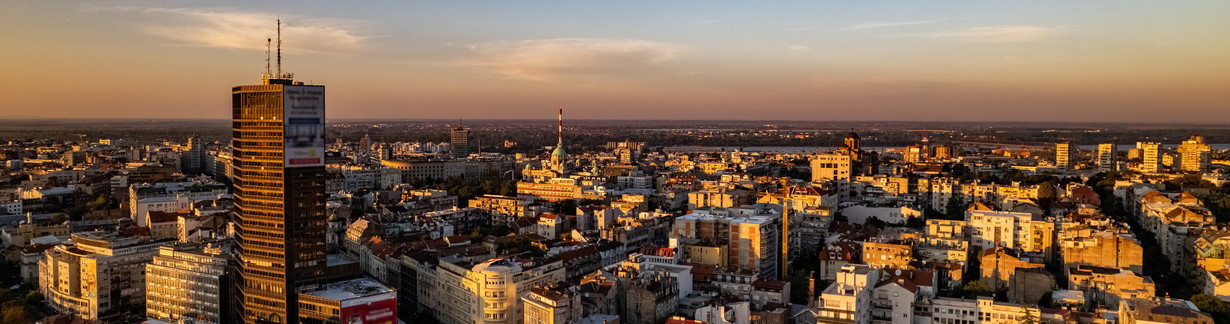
(1047, 61)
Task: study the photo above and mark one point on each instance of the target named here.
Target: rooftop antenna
(279, 48)
(268, 47)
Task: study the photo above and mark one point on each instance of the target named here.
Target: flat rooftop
(352, 289)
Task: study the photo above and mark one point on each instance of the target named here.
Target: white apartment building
(187, 284)
(356, 177)
(545, 305)
(825, 167)
(13, 207)
(753, 242)
(489, 292)
(848, 299)
(1195, 155)
(988, 229)
(1067, 155)
(102, 276)
(169, 197)
(893, 215)
(1151, 157)
(1107, 157)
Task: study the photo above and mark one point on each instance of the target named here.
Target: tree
(875, 221)
(798, 278)
(1047, 300)
(838, 217)
(1216, 308)
(14, 311)
(1046, 190)
(954, 209)
(59, 219)
(566, 207)
(34, 298)
(975, 288)
(915, 222)
(1047, 196)
(1028, 316)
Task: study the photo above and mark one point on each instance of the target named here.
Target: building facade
(188, 284)
(1108, 157)
(278, 142)
(102, 276)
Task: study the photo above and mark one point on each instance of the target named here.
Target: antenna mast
(560, 132)
(279, 48)
(268, 47)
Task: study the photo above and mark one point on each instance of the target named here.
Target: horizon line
(1194, 123)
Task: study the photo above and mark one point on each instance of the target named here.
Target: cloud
(551, 59)
(245, 30)
(797, 49)
(889, 24)
(1000, 34)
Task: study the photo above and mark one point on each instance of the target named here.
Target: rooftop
(351, 289)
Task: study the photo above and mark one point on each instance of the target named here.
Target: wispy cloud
(551, 59)
(1000, 34)
(224, 28)
(888, 24)
(797, 49)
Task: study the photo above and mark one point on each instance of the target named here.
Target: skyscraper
(279, 143)
(460, 141)
(1152, 156)
(192, 157)
(1066, 155)
(1107, 157)
(1195, 155)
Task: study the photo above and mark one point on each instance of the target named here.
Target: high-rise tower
(1066, 155)
(460, 141)
(1195, 155)
(279, 149)
(1107, 157)
(1152, 157)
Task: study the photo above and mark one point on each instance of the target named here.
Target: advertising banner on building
(304, 126)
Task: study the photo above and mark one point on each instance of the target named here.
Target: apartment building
(101, 276)
(848, 299)
(189, 282)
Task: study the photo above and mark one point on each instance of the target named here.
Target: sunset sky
(1120, 61)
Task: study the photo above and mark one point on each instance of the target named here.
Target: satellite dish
(898, 272)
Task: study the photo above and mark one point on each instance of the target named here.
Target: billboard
(375, 309)
(303, 126)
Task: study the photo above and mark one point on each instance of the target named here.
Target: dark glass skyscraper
(460, 143)
(278, 129)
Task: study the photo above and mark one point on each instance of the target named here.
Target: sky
(1086, 61)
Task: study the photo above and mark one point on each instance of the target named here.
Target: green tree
(13, 311)
(566, 207)
(975, 288)
(954, 209)
(33, 298)
(1046, 190)
(1216, 308)
(915, 222)
(838, 217)
(59, 218)
(1047, 196)
(1027, 317)
(798, 278)
(1047, 300)
(875, 221)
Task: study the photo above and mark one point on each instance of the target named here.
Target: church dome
(559, 152)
